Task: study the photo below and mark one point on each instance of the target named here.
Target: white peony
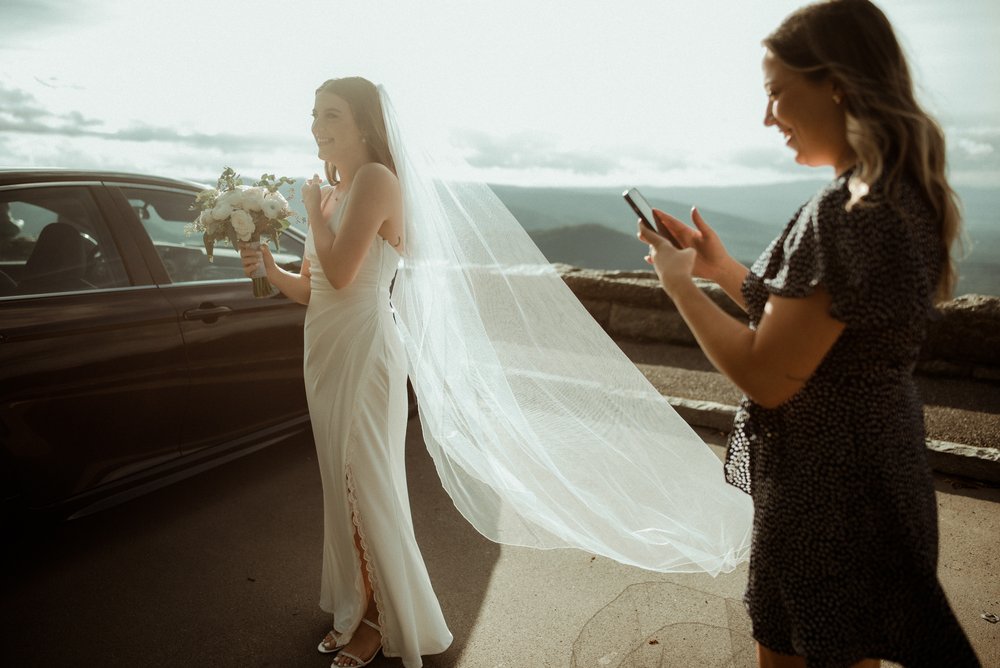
(222, 210)
(242, 224)
(274, 206)
(233, 198)
(253, 198)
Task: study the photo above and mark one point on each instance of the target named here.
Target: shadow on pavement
(219, 570)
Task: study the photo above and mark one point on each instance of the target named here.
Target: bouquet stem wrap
(261, 286)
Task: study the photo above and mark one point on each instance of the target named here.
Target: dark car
(127, 359)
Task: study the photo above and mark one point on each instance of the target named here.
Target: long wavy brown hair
(852, 43)
(366, 107)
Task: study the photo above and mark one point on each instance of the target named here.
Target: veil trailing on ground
(542, 431)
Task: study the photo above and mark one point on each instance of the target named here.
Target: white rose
(274, 206)
(242, 224)
(206, 218)
(253, 199)
(233, 198)
(222, 210)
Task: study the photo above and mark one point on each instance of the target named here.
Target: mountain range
(593, 227)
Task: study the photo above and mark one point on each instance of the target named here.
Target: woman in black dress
(829, 439)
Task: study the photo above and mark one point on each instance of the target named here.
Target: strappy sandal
(358, 661)
(325, 646)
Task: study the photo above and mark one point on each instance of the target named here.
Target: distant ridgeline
(594, 228)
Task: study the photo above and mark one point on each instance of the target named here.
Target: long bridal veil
(542, 431)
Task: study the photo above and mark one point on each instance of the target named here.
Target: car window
(166, 215)
(53, 239)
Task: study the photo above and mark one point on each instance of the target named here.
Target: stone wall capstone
(629, 305)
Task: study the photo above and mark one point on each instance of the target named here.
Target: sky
(527, 92)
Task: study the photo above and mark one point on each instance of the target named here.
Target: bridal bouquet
(241, 215)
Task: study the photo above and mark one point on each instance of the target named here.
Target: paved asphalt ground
(223, 570)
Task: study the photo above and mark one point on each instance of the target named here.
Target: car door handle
(207, 312)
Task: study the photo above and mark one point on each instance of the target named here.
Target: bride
(355, 375)
(542, 431)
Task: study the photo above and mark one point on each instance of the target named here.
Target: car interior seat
(57, 263)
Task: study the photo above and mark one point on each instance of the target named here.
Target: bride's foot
(330, 644)
(364, 646)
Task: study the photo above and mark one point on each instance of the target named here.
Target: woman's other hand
(252, 258)
(711, 255)
(311, 198)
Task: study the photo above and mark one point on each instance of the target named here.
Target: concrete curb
(707, 414)
(965, 460)
(950, 458)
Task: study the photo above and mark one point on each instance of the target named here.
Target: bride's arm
(294, 286)
(374, 199)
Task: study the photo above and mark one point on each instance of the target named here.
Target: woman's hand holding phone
(642, 209)
(674, 266)
(711, 255)
(690, 252)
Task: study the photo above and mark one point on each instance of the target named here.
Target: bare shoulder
(376, 177)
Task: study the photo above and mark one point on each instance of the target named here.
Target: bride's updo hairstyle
(363, 98)
(853, 43)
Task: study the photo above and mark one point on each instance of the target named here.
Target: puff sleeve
(872, 259)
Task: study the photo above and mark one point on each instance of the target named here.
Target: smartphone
(645, 213)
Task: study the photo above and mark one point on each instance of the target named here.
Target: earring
(364, 140)
(836, 98)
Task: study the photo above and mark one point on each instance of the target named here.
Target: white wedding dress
(355, 375)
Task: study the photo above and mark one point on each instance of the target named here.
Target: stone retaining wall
(963, 343)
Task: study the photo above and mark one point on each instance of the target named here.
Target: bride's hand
(251, 258)
(311, 198)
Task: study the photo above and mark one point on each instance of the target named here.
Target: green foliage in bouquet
(235, 212)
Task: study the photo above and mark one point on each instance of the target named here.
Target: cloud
(761, 156)
(13, 98)
(971, 149)
(21, 113)
(974, 146)
(19, 104)
(974, 154)
(527, 150)
(533, 157)
(56, 83)
(166, 159)
(20, 18)
(33, 135)
(534, 151)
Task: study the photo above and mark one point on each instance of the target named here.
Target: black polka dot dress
(845, 544)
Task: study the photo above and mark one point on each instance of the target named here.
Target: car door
(244, 353)
(92, 368)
